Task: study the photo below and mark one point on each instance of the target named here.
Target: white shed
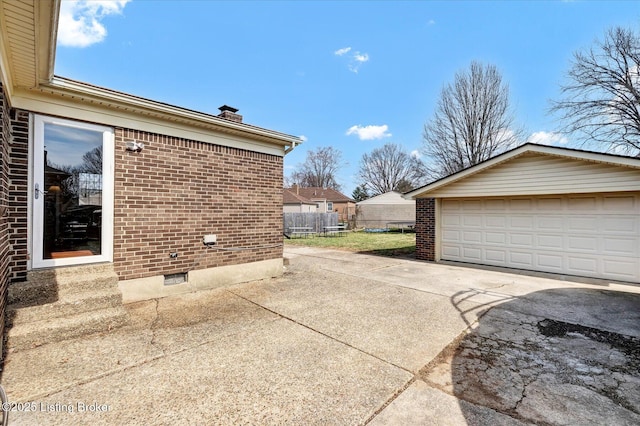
(385, 210)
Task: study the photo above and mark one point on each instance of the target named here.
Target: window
(329, 206)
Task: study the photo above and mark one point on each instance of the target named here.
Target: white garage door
(591, 235)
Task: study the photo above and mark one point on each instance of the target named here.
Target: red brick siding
(18, 194)
(174, 191)
(426, 229)
(4, 202)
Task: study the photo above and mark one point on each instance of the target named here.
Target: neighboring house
(127, 185)
(329, 200)
(294, 203)
(390, 209)
(538, 208)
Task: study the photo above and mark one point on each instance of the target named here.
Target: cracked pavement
(344, 338)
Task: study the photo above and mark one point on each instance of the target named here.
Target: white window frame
(36, 166)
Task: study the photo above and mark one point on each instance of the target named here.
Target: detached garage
(537, 208)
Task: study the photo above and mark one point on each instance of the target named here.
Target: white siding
(534, 173)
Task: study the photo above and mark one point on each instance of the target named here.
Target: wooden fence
(315, 221)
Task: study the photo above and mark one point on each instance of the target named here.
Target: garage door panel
(550, 262)
(472, 220)
(472, 237)
(582, 204)
(580, 244)
(451, 252)
(471, 205)
(474, 254)
(521, 204)
(521, 222)
(525, 240)
(578, 265)
(495, 256)
(451, 220)
(451, 235)
(593, 235)
(550, 242)
(625, 269)
(627, 224)
(582, 224)
(495, 222)
(495, 204)
(621, 246)
(495, 237)
(523, 259)
(550, 204)
(621, 204)
(550, 223)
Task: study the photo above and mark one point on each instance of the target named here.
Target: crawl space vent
(173, 279)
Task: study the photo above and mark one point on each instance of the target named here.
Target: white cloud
(415, 154)
(79, 24)
(548, 138)
(367, 133)
(303, 138)
(360, 57)
(431, 22)
(355, 58)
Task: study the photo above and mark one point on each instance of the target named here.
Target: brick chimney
(229, 113)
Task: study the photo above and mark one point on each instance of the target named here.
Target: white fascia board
(70, 108)
(118, 99)
(164, 119)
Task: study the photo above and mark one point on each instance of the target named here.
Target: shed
(385, 209)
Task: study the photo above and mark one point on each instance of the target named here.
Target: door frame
(35, 209)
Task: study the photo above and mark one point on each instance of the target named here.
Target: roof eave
(62, 86)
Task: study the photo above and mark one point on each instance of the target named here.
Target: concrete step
(51, 285)
(22, 312)
(32, 334)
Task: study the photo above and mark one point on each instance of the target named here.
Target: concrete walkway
(344, 338)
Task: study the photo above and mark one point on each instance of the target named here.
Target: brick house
(97, 183)
(328, 200)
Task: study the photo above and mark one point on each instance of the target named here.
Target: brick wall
(4, 202)
(18, 190)
(426, 229)
(174, 191)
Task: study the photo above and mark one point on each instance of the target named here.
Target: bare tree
(319, 169)
(390, 168)
(472, 122)
(601, 101)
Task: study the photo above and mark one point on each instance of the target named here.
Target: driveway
(344, 338)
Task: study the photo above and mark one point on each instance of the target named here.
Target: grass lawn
(382, 243)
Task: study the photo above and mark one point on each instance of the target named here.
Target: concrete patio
(344, 338)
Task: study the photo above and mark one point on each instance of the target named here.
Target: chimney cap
(225, 107)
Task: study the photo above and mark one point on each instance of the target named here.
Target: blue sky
(352, 75)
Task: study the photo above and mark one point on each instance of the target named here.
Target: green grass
(384, 243)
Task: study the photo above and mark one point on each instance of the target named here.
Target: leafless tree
(472, 122)
(601, 100)
(92, 161)
(319, 169)
(390, 168)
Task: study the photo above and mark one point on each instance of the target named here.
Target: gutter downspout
(288, 150)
